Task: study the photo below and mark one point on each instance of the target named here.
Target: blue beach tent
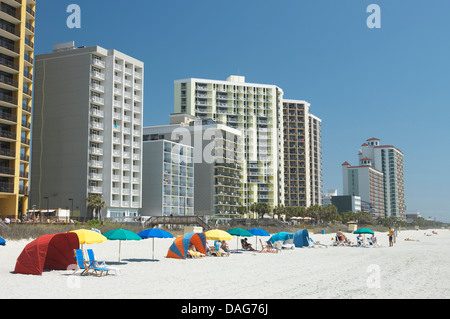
(301, 238)
(2, 242)
(283, 236)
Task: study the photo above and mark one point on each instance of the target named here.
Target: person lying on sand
(409, 239)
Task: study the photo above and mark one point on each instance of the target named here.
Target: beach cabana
(301, 238)
(180, 245)
(49, 252)
(282, 239)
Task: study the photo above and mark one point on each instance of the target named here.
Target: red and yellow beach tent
(180, 246)
(50, 252)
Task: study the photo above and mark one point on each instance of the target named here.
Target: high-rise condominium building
(87, 126)
(386, 163)
(315, 155)
(256, 111)
(168, 179)
(389, 160)
(302, 155)
(217, 159)
(367, 183)
(17, 21)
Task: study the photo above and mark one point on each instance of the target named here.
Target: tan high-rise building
(17, 20)
(302, 155)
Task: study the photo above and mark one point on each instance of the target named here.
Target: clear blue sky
(391, 83)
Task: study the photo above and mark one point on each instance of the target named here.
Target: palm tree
(279, 210)
(96, 203)
(261, 208)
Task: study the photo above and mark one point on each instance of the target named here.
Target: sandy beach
(410, 269)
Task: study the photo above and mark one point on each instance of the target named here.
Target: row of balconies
(116, 203)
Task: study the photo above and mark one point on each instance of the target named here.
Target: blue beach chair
(86, 267)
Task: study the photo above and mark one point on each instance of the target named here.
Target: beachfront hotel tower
(216, 170)
(378, 179)
(366, 182)
(256, 111)
(168, 179)
(87, 130)
(17, 22)
(302, 155)
(389, 160)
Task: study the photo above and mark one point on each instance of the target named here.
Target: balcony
(97, 99)
(12, 13)
(98, 75)
(7, 48)
(97, 113)
(96, 164)
(97, 87)
(98, 62)
(96, 138)
(6, 187)
(96, 125)
(8, 116)
(96, 176)
(7, 152)
(96, 151)
(7, 170)
(95, 190)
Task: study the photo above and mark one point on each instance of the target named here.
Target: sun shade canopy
(49, 252)
(180, 246)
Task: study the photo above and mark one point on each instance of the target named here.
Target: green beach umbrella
(121, 234)
(363, 231)
(239, 232)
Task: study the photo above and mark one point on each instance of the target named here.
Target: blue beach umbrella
(154, 233)
(2, 242)
(258, 232)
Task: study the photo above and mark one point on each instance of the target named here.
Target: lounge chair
(338, 242)
(268, 248)
(314, 244)
(96, 264)
(194, 254)
(87, 268)
(361, 243)
(82, 264)
(215, 252)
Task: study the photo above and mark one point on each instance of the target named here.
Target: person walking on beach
(391, 237)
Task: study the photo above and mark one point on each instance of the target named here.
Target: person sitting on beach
(373, 240)
(224, 246)
(246, 245)
(340, 235)
(192, 251)
(435, 233)
(359, 240)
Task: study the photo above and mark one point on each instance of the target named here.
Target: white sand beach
(410, 269)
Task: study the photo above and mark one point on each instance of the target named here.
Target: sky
(392, 83)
